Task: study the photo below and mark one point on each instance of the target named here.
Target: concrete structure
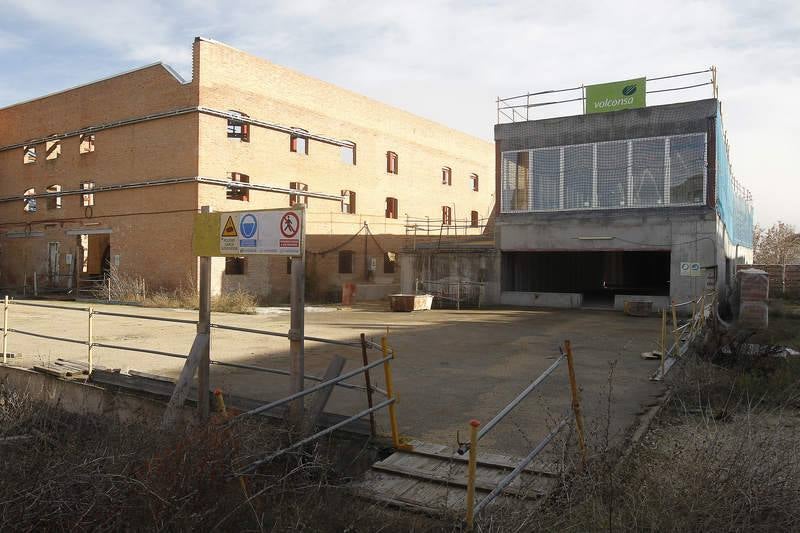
(243, 134)
(601, 208)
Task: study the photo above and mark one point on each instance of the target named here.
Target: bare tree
(776, 245)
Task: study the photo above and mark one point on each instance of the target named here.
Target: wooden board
(432, 478)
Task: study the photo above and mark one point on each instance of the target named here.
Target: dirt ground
(451, 366)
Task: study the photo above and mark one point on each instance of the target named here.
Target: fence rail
(475, 435)
(682, 335)
(340, 381)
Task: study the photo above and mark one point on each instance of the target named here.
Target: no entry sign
(262, 232)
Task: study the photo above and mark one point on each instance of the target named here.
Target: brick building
(111, 173)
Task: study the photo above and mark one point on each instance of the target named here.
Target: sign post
(204, 327)
(279, 232)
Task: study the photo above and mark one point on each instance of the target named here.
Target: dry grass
(132, 289)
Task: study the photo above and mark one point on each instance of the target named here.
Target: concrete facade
(150, 125)
(687, 233)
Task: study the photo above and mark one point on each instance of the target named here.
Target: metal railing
(518, 108)
(682, 334)
(452, 294)
(364, 344)
(475, 435)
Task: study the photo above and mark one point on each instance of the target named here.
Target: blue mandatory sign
(248, 226)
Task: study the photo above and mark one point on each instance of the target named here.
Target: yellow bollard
(576, 402)
(663, 339)
(387, 372)
(675, 333)
(220, 401)
(471, 471)
(90, 342)
(5, 330)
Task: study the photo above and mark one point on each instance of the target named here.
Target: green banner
(614, 96)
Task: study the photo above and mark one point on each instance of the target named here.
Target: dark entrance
(599, 276)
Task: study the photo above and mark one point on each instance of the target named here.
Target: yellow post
(5, 330)
(576, 402)
(90, 340)
(675, 333)
(387, 371)
(471, 471)
(693, 322)
(663, 339)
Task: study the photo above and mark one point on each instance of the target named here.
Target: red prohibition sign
(290, 224)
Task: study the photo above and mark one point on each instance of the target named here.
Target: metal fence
(364, 345)
(452, 294)
(675, 340)
(476, 435)
(527, 106)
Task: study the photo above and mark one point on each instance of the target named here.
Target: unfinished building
(603, 207)
(108, 176)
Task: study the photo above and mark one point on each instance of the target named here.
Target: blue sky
(448, 61)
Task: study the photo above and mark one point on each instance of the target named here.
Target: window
(474, 179)
(612, 174)
(348, 202)
(238, 129)
(52, 149)
(547, 185)
(238, 193)
(391, 162)
(28, 154)
(447, 176)
(54, 202)
(447, 215)
(87, 143)
(235, 266)
(578, 176)
(346, 258)
(87, 199)
(296, 198)
(389, 262)
(348, 154)
(391, 208)
(29, 205)
(298, 142)
(474, 220)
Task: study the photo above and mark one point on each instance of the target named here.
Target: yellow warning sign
(230, 228)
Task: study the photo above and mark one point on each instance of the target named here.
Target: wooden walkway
(432, 478)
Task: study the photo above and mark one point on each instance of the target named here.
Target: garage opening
(598, 276)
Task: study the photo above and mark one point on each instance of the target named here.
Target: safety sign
(266, 232)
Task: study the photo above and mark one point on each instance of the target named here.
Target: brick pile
(775, 273)
(754, 285)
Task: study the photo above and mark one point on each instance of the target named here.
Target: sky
(449, 61)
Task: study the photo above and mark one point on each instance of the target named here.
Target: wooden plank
(495, 460)
(320, 398)
(431, 476)
(182, 386)
(156, 377)
(57, 372)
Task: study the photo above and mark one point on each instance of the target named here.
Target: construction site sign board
(262, 232)
(617, 95)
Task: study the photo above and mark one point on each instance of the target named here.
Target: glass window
(546, 179)
(578, 161)
(612, 174)
(516, 167)
(687, 169)
(647, 173)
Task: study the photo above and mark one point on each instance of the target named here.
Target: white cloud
(448, 60)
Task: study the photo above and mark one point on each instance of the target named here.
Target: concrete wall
(542, 299)
(690, 235)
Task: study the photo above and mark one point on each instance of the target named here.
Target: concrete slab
(451, 366)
